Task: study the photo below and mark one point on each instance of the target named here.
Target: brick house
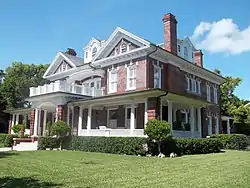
(123, 82)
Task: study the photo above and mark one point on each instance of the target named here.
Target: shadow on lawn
(7, 154)
(25, 182)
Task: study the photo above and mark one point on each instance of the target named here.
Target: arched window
(94, 51)
(185, 52)
(123, 47)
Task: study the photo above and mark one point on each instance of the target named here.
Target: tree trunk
(159, 147)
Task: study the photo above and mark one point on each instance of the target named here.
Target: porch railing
(62, 86)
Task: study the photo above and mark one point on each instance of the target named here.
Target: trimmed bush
(7, 139)
(133, 145)
(188, 146)
(233, 141)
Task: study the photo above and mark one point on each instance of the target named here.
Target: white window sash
(131, 77)
(188, 83)
(215, 95)
(208, 93)
(112, 82)
(157, 76)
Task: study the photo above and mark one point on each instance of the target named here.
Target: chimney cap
(169, 17)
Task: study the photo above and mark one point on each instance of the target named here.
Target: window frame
(131, 78)
(215, 95)
(94, 52)
(122, 47)
(110, 90)
(160, 76)
(208, 93)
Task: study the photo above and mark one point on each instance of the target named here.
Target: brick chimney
(198, 58)
(71, 51)
(170, 33)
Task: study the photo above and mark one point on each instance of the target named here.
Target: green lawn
(80, 169)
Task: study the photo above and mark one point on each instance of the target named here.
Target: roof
(74, 59)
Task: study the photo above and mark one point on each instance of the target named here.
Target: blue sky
(34, 31)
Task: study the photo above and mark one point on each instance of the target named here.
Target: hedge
(133, 145)
(7, 139)
(233, 141)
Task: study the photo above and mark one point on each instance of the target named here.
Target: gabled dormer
(91, 49)
(62, 66)
(185, 49)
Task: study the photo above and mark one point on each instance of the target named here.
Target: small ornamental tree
(60, 129)
(158, 131)
(19, 129)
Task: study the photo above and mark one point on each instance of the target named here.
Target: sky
(34, 31)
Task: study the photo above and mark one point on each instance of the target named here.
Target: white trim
(56, 62)
(217, 125)
(145, 112)
(112, 71)
(131, 67)
(215, 95)
(126, 114)
(160, 75)
(44, 121)
(108, 112)
(89, 118)
(210, 125)
(114, 34)
(80, 117)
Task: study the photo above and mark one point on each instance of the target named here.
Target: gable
(64, 66)
(122, 45)
(116, 39)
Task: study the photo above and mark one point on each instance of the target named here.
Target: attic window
(94, 51)
(124, 47)
(185, 52)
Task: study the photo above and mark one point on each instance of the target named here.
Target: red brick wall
(10, 123)
(153, 109)
(170, 33)
(140, 116)
(198, 58)
(62, 112)
(32, 119)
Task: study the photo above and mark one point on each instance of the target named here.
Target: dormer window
(94, 51)
(86, 55)
(124, 47)
(185, 52)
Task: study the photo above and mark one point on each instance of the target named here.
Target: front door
(128, 117)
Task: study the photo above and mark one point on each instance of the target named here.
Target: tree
(18, 79)
(159, 131)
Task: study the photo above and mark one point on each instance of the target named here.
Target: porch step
(26, 146)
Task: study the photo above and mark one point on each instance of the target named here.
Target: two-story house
(123, 82)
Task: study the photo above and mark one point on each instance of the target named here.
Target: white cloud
(222, 36)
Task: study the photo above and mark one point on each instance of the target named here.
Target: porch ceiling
(18, 110)
(85, 74)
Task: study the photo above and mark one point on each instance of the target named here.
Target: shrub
(7, 139)
(159, 131)
(233, 141)
(60, 128)
(48, 142)
(18, 127)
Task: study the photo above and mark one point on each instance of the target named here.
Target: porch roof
(17, 110)
(121, 97)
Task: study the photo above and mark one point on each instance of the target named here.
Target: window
(116, 51)
(185, 52)
(123, 47)
(86, 55)
(193, 85)
(112, 81)
(192, 55)
(215, 95)
(64, 66)
(157, 76)
(179, 48)
(208, 94)
(94, 51)
(129, 113)
(112, 114)
(131, 77)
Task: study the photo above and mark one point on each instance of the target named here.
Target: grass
(80, 169)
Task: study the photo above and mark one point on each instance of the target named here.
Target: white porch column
(132, 119)
(89, 118)
(56, 114)
(12, 123)
(80, 120)
(68, 113)
(145, 112)
(192, 120)
(44, 121)
(199, 121)
(228, 126)
(73, 116)
(170, 114)
(36, 122)
(17, 119)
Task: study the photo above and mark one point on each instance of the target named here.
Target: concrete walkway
(5, 149)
